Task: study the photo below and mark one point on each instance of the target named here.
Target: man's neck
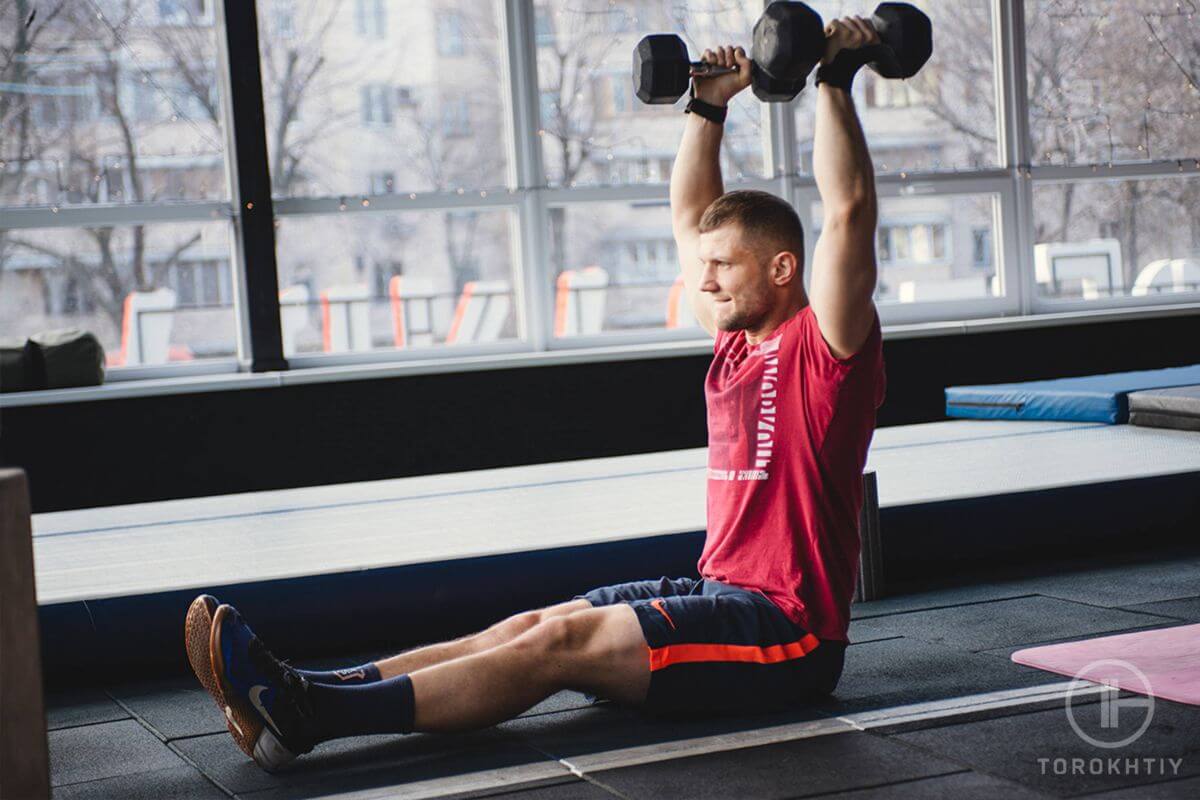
(772, 322)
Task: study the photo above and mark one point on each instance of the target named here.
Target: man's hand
(848, 33)
(720, 89)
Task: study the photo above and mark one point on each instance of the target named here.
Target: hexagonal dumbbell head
(661, 69)
(908, 36)
(772, 90)
(789, 39)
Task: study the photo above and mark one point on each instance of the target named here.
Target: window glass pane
(931, 248)
(594, 130)
(450, 34)
(616, 269)
(80, 76)
(941, 119)
(150, 293)
(420, 99)
(1100, 239)
(377, 280)
(370, 18)
(1112, 81)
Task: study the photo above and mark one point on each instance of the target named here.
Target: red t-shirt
(789, 427)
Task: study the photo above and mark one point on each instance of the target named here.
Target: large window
(1112, 81)
(478, 176)
(110, 113)
(376, 281)
(943, 118)
(423, 100)
(591, 125)
(616, 269)
(1127, 238)
(1096, 104)
(935, 248)
(152, 293)
(358, 271)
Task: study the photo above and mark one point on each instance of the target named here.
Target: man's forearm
(841, 163)
(696, 174)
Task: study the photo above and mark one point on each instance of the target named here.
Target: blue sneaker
(265, 699)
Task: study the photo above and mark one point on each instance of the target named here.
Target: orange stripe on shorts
(663, 657)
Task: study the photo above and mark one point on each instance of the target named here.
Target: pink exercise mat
(1168, 658)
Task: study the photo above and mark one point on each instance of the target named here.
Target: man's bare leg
(599, 650)
(498, 634)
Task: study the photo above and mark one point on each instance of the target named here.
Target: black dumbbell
(905, 40)
(786, 47)
(662, 68)
(789, 40)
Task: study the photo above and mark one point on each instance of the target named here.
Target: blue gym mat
(1091, 398)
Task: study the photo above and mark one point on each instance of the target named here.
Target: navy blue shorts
(716, 648)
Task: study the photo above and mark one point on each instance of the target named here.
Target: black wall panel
(81, 455)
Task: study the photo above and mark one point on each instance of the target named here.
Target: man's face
(735, 279)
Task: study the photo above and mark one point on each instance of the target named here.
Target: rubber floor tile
(799, 768)
(603, 729)
(1121, 585)
(563, 701)
(898, 672)
(1005, 653)
(566, 787)
(361, 762)
(1186, 608)
(174, 707)
(564, 790)
(1181, 789)
(1046, 751)
(176, 783)
(1000, 623)
(938, 598)
(67, 708)
(944, 787)
(105, 750)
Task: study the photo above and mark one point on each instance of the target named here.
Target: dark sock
(385, 706)
(350, 676)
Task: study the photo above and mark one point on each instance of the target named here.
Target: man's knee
(516, 625)
(601, 651)
(520, 624)
(557, 634)
(598, 633)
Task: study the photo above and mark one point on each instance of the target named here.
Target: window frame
(527, 201)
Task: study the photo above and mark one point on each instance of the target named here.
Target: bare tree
(95, 140)
(93, 155)
(1093, 98)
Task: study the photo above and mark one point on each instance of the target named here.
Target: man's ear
(784, 268)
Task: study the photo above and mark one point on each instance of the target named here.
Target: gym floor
(929, 705)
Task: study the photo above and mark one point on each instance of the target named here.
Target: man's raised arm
(696, 174)
(844, 271)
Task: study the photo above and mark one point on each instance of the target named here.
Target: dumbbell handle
(703, 69)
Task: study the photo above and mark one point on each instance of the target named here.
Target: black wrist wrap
(707, 110)
(840, 72)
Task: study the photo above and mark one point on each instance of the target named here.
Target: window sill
(148, 387)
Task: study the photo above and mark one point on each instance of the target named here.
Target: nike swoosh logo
(256, 699)
(661, 607)
(345, 676)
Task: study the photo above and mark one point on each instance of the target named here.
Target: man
(792, 393)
